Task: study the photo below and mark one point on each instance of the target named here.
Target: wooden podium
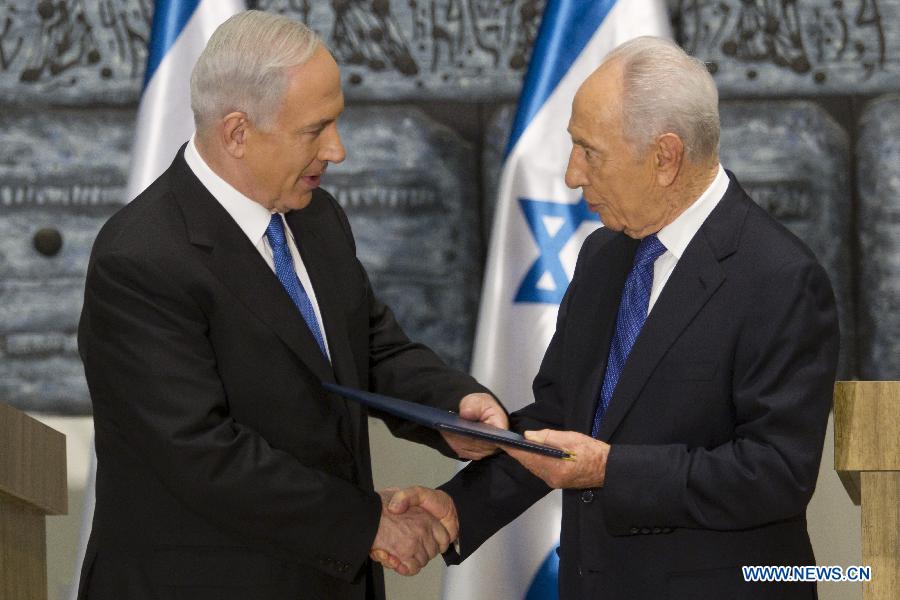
(32, 485)
(867, 459)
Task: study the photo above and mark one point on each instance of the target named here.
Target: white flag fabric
(178, 34)
(539, 226)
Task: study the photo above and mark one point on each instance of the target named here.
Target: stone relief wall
(878, 174)
(793, 47)
(431, 87)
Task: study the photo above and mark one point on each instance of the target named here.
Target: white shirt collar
(678, 234)
(252, 217)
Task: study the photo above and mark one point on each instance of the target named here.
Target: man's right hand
(435, 503)
(407, 539)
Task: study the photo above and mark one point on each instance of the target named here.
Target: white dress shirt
(253, 219)
(678, 234)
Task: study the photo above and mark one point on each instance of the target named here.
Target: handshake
(416, 525)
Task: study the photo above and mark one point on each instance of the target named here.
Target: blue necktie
(284, 270)
(629, 320)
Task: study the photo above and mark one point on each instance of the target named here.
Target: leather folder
(442, 420)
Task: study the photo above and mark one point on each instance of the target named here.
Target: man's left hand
(586, 468)
(483, 408)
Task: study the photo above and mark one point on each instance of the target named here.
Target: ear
(669, 155)
(235, 128)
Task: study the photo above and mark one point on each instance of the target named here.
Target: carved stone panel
(793, 47)
(496, 137)
(878, 174)
(78, 52)
(62, 173)
(403, 49)
(793, 159)
(74, 52)
(408, 186)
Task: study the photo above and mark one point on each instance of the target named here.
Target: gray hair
(667, 91)
(244, 67)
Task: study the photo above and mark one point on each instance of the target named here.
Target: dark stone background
(811, 126)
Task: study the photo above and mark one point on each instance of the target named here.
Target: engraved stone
(793, 47)
(792, 158)
(74, 52)
(79, 52)
(496, 137)
(60, 170)
(878, 174)
(402, 49)
(408, 186)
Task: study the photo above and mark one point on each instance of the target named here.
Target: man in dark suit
(691, 370)
(216, 304)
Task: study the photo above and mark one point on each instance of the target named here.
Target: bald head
(661, 89)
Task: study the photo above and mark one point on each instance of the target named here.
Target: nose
(575, 170)
(332, 149)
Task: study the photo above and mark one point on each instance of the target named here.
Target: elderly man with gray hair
(691, 371)
(216, 304)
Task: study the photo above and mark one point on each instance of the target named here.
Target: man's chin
(295, 201)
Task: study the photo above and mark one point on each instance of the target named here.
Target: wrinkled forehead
(599, 98)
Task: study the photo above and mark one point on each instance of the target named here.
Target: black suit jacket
(716, 425)
(224, 469)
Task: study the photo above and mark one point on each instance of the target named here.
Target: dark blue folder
(442, 420)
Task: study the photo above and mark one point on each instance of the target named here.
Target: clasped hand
(418, 523)
(413, 529)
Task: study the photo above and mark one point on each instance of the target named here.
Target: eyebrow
(583, 143)
(317, 125)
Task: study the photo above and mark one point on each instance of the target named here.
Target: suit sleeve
(153, 380)
(490, 493)
(783, 379)
(408, 370)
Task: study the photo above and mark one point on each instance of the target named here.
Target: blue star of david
(550, 246)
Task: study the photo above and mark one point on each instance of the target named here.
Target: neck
(225, 166)
(688, 187)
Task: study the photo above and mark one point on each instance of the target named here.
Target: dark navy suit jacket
(716, 425)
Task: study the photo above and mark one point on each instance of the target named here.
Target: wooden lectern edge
(851, 482)
(32, 463)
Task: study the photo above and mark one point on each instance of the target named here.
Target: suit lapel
(695, 279)
(328, 297)
(237, 263)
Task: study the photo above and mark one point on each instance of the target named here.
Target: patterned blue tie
(284, 269)
(629, 320)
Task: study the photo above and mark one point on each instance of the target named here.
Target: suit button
(667, 530)
(635, 531)
(587, 496)
(645, 530)
(657, 530)
(343, 567)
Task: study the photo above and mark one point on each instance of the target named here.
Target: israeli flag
(538, 229)
(165, 121)
(178, 34)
